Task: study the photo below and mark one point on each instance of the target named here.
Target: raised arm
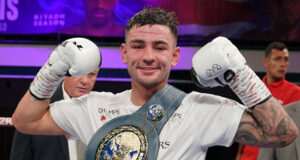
(32, 116)
(264, 123)
(74, 57)
(267, 125)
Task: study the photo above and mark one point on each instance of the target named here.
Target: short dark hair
(153, 16)
(274, 45)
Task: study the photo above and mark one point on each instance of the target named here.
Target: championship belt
(136, 136)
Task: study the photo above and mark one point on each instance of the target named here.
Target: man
(38, 147)
(276, 63)
(150, 51)
(284, 22)
(291, 151)
(99, 20)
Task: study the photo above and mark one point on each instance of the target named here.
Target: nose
(284, 63)
(148, 55)
(84, 80)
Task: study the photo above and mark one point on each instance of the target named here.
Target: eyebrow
(155, 42)
(137, 41)
(160, 42)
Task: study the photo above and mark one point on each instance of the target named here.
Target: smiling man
(149, 52)
(138, 126)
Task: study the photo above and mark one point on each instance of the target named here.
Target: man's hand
(220, 63)
(74, 57)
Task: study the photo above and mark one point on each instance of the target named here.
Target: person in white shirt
(150, 50)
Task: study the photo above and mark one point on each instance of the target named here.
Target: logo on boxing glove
(214, 68)
(74, 42)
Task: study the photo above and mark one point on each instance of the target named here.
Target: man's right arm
(33, 116)
(74, 57)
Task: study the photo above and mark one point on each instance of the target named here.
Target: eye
(160, 48)
(277, 58)
(93, 74)
(286, 59)
(137, 46)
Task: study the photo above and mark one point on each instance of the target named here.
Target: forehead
(281, 53)
(150, 33)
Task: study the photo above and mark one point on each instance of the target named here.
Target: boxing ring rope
(6, 122)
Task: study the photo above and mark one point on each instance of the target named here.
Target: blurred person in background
(99, 20)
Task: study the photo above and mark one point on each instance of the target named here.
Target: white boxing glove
(219, 63)
(73, 57)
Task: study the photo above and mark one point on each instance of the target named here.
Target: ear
(175, 57)
(123, 53)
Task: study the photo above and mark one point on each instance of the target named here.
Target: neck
(270, 79)
(141, 94)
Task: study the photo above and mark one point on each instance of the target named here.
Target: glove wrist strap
(45, 83)
(249, 88)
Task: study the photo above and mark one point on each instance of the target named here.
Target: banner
(238, 19)
(38, 16)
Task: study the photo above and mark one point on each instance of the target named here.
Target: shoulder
(204, 99)
(103, 96)
(91, 98)
(292, 85)
(94, 94)
(292, 90)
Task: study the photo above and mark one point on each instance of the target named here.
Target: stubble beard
(148, 83)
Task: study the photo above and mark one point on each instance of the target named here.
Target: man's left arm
(264, 123)
(267, 125)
